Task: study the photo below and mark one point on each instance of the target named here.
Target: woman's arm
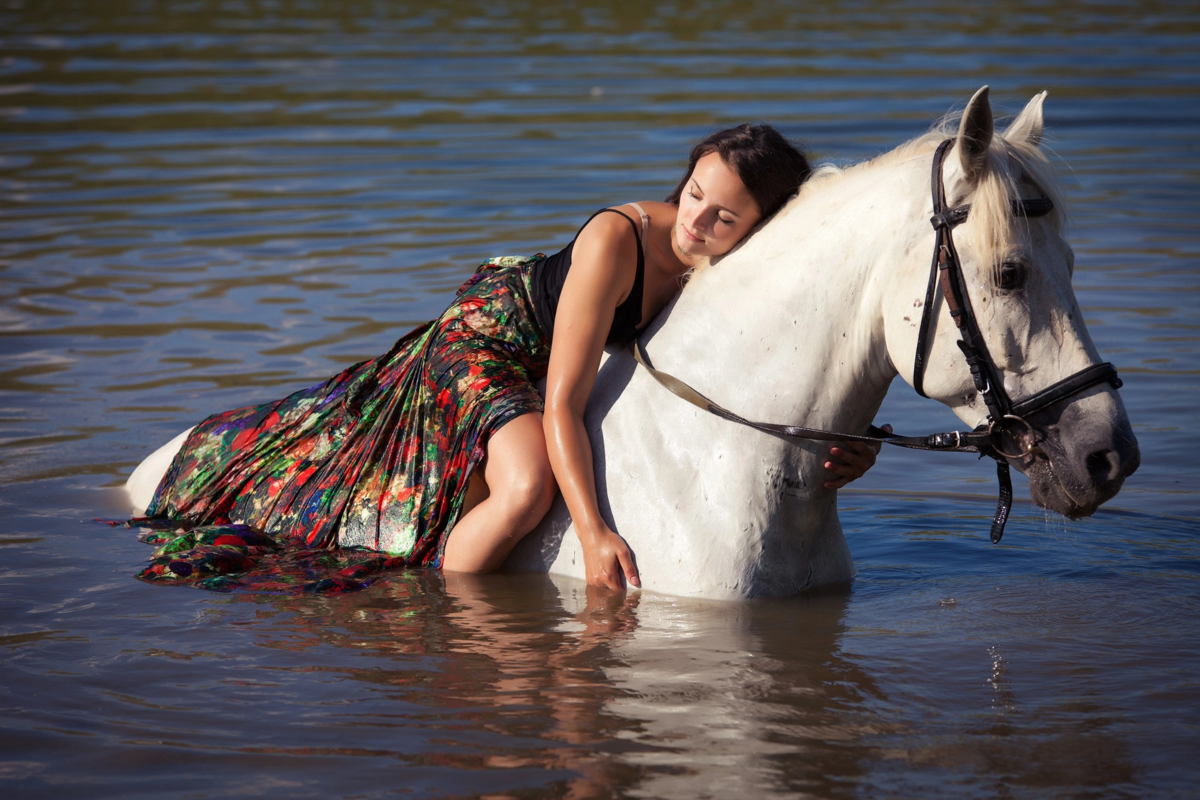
(601, 275)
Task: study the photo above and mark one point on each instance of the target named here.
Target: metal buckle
(1029, 445)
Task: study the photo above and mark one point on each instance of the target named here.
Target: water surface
(204, 205)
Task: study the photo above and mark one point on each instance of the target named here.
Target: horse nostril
(1104, 466)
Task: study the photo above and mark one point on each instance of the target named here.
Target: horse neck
(790, 326)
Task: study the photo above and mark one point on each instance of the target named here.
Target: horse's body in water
(807, 323)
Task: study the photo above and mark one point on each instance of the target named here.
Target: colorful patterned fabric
(376, 458)
(225, 558)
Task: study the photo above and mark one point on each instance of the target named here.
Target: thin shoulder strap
(645, 218)
(631, 309)
(634, 225)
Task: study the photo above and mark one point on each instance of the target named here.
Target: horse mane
(1010, 167)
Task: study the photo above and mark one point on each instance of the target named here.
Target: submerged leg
(517, 492)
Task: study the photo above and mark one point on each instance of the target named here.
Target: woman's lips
(689, 234)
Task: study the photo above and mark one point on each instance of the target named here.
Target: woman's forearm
(570, 453)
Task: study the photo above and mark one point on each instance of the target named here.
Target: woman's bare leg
(517, 492)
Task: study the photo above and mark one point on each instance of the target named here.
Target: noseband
(1006, 434)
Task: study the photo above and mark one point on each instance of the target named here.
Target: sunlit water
(204, 205)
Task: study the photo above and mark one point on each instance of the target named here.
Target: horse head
(1016, 273)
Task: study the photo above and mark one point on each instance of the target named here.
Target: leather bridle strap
(1068, 387)
(946, 272)
(967, 442)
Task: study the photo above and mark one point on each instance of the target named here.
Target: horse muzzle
(1079, 457)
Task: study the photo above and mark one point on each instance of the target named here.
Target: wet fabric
(376, 458)
(226, 558)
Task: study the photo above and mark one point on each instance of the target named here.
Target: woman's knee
(528, 493)
(518, 472)
(523, 494)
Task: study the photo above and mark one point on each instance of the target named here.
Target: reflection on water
(207, 204)
(448, 684)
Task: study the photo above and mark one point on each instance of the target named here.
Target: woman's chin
(691, 250)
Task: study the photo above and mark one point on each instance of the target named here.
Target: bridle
(1007, 424)
(1007, 433)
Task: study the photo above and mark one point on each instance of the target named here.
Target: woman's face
(715, 211)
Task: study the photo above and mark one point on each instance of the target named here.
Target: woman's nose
(698, 221)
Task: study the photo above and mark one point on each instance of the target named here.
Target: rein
(1006, 425)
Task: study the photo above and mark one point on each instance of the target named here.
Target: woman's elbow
(553, 413)
(559, 414)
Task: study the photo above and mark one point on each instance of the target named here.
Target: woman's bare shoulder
(606, 231)
(605, 253)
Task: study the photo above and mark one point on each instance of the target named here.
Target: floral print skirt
(376, 458)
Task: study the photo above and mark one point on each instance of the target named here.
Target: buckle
(1028, 445)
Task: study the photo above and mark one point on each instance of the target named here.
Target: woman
(441, 451)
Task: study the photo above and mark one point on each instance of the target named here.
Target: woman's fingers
(607, 572)
(614, 566)
(611, 579)
(631, 574)
(853, 460)
(605, 578)
(849, 461)
(877, 446)
(620, 570)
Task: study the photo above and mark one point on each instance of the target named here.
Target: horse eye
(1012, 275)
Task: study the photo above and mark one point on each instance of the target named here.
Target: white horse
(807, 323)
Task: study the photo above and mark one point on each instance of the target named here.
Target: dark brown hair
(770, 167)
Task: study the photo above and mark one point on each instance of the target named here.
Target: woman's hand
(850, 461)
(608, 561)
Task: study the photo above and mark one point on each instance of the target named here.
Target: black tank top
(550, 274)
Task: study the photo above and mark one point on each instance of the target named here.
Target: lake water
(208, 204)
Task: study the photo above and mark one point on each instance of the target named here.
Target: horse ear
(1028, 124)
(975, 134)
